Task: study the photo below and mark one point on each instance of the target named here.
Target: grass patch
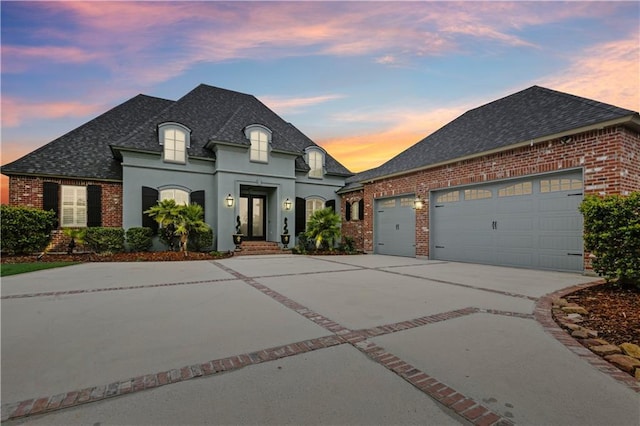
(21, 268)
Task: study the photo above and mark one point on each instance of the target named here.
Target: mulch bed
(155, 256)
(614, 311)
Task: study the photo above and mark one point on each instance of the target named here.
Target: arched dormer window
(260, 138)
(315, 160)
(175, 138)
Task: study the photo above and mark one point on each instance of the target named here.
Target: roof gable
(527, 115)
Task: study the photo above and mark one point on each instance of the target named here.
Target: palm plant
(190, 220)
(179, 220)
(324, 228)
(165, 213)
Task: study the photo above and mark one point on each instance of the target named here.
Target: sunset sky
(365, 80)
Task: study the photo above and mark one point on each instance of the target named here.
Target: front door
(253, 219)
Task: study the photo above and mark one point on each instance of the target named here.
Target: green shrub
(324, 228)
(612, 235)
(102, 240)
(304, 246)
(25, 230)
(201, 241)
(348, 246)
(139, 238)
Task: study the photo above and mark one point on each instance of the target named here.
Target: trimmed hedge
(25, 230)
(612, 235)
(139, 238)
(105, 240)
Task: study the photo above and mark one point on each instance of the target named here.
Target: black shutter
(361, 209)
(331, 204)
(197, 197)
(149, 199)
(301, 215)
(94, 205)
(50, 199)
(347, 211)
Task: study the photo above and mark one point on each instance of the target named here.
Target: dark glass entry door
(253, 219)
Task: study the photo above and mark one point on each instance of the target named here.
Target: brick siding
(609, 158)
(353, 228)
(27, 191)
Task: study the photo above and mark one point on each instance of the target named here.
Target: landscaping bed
(152, 256)
(614, 311)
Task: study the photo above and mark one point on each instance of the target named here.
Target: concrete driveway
(298, 340)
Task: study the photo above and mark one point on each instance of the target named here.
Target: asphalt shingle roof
(212, 114)
(530, 114)
(84, 151)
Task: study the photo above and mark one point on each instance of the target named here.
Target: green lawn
(21, 268)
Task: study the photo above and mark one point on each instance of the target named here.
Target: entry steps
(248, 248)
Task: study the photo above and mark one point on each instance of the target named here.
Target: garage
(395, 226)
(531, 222)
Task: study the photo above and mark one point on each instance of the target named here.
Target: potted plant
(237, 237)
(285, 237)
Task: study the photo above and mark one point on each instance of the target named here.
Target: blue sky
(363, 79)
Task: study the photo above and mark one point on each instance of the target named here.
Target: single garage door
(395, 226)
(532, 223)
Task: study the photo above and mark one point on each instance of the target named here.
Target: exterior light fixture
(417, 203)
(287, 204)
(229, 201)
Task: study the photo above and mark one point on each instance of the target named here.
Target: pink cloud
(15, 111)
(289, 105)
(606, 72)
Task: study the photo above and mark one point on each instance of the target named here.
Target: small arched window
(177, 195)
(315, 160)
(260, 138)
(175, 138)
(312, 206)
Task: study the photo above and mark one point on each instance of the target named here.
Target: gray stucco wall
(231, 173)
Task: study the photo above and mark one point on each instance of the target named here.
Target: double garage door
(532, 223)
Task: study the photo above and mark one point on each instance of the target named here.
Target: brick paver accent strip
(105, 289)
(150, 381)
(544, 316)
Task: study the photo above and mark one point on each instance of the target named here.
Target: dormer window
(315, 160)
(175, 138)
(260, 138)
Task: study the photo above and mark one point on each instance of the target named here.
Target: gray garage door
(395, 226)
(533, 223)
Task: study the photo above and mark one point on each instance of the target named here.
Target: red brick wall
(353, 228)
(609, 158)
(27, 191)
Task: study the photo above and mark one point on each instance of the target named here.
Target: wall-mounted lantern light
(417, 203)
(228, 201)
(287, 204)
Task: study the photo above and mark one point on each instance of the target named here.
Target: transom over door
(533, 223)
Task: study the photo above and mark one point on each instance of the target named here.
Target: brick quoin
(609, 159)
(27, 191)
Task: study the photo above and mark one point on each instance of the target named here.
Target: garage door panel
(394, 227)
(561, 243)
(531, 222)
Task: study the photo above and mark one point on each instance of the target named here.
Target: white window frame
(355, 210)
(315, 160)
(180, 196)
(260, 138)
(176, 139)
(312, 205)
(73, 209)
